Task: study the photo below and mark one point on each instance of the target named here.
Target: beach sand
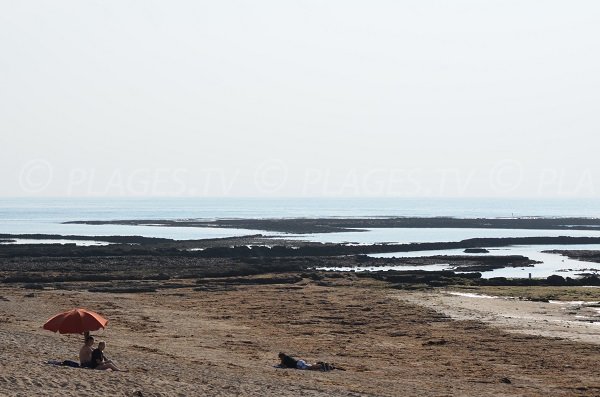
(573, 320)
(224, 342)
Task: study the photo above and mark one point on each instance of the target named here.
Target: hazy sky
(300, 98)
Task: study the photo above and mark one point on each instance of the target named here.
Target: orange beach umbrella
(76, 321)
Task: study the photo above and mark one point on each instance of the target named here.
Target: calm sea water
(431, 235)
(45, 215)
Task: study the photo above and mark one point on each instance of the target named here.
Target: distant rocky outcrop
(330, 225)
(476, 251)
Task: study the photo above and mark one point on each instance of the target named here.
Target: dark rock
(556, 280)
(253, 281)
(476, 251)
(33, 286)
(329, 225)
(435, 342)
(123, 290)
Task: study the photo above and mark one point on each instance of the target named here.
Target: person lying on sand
(85, 353)
(99, 360)
(290, 362)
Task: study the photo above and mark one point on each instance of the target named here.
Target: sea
(47, 216)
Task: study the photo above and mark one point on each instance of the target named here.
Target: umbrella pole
(85, 335)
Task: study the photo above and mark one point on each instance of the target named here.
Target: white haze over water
(300, 98)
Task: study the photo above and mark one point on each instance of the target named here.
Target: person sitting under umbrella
(99, 360)
(85, 353)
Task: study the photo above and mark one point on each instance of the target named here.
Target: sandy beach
(224, 342)
(404, 193)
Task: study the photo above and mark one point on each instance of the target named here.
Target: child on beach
(99, 360)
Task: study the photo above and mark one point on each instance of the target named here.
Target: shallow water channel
(550, 263)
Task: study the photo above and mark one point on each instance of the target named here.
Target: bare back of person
(85, 353)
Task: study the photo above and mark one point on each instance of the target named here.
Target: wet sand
(573, 320)
(224, 342)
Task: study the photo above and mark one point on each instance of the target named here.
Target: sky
(300, 98)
